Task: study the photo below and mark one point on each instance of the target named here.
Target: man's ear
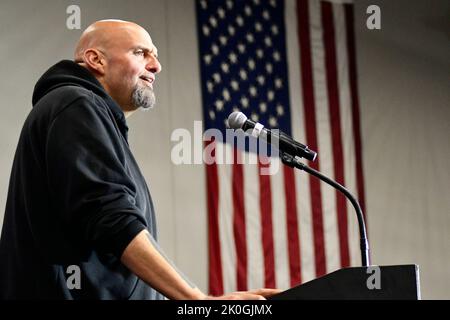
(95, 60)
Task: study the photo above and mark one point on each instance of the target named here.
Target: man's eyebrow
(145, 49)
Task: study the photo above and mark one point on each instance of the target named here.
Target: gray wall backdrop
(405, 115)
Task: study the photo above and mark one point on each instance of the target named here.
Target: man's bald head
(123, 58)
(103, 34)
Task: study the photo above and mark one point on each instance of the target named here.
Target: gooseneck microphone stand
(294, 162)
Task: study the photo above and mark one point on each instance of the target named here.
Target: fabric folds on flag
(289, 65)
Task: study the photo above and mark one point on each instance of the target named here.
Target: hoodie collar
(67, 72)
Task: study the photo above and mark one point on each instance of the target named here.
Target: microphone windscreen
(236, 120)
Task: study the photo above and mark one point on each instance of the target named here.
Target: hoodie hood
(69, 73)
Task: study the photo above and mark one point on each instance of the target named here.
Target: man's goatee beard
(143, 97)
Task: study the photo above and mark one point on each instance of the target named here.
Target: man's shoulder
(67, 94)
(63, 97)
(67, 104)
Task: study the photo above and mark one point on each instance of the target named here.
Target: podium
(400, 282)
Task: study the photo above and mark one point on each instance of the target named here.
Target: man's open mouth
(148, 79)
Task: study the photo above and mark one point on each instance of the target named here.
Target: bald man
(79, 220)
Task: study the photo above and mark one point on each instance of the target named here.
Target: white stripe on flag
(228, 253)
(298, 132)
(325, 159)
(279, 225)
(253, 225)
(347, 128)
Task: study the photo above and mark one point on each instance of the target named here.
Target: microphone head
(236, 120)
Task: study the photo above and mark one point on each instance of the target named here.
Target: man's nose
(153, 65)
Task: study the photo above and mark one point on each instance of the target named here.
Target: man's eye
(139, 53)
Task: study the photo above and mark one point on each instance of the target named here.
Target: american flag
(283, 229)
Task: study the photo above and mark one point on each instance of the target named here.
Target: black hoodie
(76, 196)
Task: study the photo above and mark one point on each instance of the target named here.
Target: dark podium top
(360, 283)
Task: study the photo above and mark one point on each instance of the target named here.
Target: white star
(210, 86)
(204, 4)
(231, 30)
(223, 40)
(212, 115)
(250, 38)
(254, 117)
(219, 105)
(280, 110)
(217, 78)
(239, 21)
(273, 121)
(276, 56)
(270, 95)
(258, 27)
(253, 91)
(261, 79)
(278, 83)
(269, 68)
(243, 74)
(248, 11)
(226, 94)
(259, 53)
(274, 29)
(234, 85)
(215, 49)
(205, 30)
(236, 108)
(251, 64)
(225, 67)
(266, 15)
(256, 2)
(241, 48)
(244, 102)
(263, 107)
(221, 13)
(207, 58)
(268, 41)
(233, 57)
(213, 21)
(273, 3)
(229, 4)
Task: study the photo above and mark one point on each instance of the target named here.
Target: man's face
(130, 69)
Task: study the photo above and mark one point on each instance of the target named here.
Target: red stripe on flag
(215, 260)
(335, 123)
(239, 221)
(351, 52)
(265, 202)
(292, 226)
(311, 132)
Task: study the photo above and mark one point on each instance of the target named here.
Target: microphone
(238, 120)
